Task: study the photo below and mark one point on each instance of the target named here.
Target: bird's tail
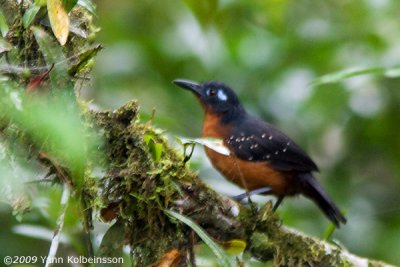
(313, 190)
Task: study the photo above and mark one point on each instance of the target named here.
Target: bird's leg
(248, 194)
(278, 202)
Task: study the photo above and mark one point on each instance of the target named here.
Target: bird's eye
(218, 93)
(212, 92)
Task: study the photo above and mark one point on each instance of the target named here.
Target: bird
(262, 159)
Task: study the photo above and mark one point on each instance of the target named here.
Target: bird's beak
(196, 88)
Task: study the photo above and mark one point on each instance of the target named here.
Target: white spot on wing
(267, 156)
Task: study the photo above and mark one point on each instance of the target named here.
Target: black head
(213, 95)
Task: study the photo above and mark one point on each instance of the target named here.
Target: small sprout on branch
(154, 147)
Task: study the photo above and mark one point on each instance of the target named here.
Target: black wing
(255, 140)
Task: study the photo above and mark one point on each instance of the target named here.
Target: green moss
(270, 241)
(138, 187)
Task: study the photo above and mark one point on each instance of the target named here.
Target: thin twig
(60, 223)
(87, 226)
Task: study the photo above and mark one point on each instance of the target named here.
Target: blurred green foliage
(45, 140)
(276, 55)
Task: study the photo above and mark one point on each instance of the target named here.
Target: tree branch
(142, 187)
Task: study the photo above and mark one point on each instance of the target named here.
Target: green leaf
(30, 15)
(147, 138)
(154, 148)
(330, 229)
(222, 257)
(59, 20)
(41, 3)
(88, 5)
(69, 4)
(84, 59)
(235, 246)
(3, 25)
(353, 72)
(158, 148)
(53, 54)
(112, 244)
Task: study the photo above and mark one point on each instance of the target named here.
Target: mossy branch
(143, 188)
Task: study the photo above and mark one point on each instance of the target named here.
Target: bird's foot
(248, 194)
